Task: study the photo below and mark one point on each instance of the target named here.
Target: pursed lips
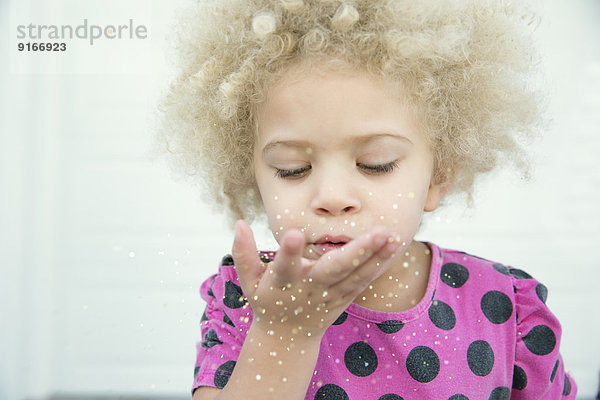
(328, 243)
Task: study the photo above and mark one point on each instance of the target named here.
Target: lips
(328, 243)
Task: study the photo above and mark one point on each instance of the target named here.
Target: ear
(436, 193)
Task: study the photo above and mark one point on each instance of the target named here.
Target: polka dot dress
(482, 331)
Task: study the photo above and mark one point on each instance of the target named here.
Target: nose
(335, 196)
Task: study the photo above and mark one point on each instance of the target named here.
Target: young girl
(343, 122)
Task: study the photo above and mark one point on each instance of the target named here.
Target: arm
(294, 301)
(259, 375)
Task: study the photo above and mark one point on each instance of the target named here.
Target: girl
(343, 122)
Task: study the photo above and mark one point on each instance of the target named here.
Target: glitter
(286, 211)
(284, 379)
(390, 277)
(381, 217)
(278, 216)
(370, 193)
(302, 351)
(275, 198)
(364, 298)
(325, 293)
(131, 254)
(309, 150)
(405, 264)
(298, 311)
(411, 195)
(302, 213)
(271, 390)
(270, 332)
(416, 272)
(352, 223)
(293, 298)
(370, 287)
(355, 262)
(255, 297)
(395, 206)
(361, 251)
(280, 363)
(273, 353)
(258, 377)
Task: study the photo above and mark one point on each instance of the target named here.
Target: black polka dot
(360, 359)
(390, 326)
(442, 315)
(496, 307)
(454, 275)
(503, 269)
(540, 340)
(233, 297)
(480, 358)
(519, 378)
(567, 387)
(331, 392)
(458, 397)
(227, 260)
(210, 289)
(340, 320)
(227, 320)
(196, 370)
(519, 273)
(211, 339)
(223, 373)
(554, 370)
(390, 396)
(500, 393)
(423, 364)
(542, 292)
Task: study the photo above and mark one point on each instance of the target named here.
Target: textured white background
(102, 253)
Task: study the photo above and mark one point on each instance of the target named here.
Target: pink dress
(482, 331)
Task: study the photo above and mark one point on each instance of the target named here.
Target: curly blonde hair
(465, 66)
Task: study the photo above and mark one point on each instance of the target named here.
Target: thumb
(245, 256)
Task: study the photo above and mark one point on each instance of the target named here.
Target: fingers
(245, 256)
(287, 266)
(355, 282)
(338, 265)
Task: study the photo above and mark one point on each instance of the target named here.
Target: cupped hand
(293, 296)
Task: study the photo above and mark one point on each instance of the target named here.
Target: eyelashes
(297, 173)
(292, 173)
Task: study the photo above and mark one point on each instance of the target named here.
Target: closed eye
(292, 173)
(379, 168)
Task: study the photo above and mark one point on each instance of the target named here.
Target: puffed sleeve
(224, 326)
(539, 372)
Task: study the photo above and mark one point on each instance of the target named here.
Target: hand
(295, 297)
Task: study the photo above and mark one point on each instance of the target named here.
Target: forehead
(328, 101)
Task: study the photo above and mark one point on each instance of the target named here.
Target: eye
(292, 173)
(379, 168)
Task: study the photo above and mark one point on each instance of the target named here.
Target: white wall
(102, 252)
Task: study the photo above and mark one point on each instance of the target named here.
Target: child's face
(337, 154)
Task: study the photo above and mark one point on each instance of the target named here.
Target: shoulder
(493, 285)
(456, 267)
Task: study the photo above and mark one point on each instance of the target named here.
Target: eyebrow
(357, 140)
